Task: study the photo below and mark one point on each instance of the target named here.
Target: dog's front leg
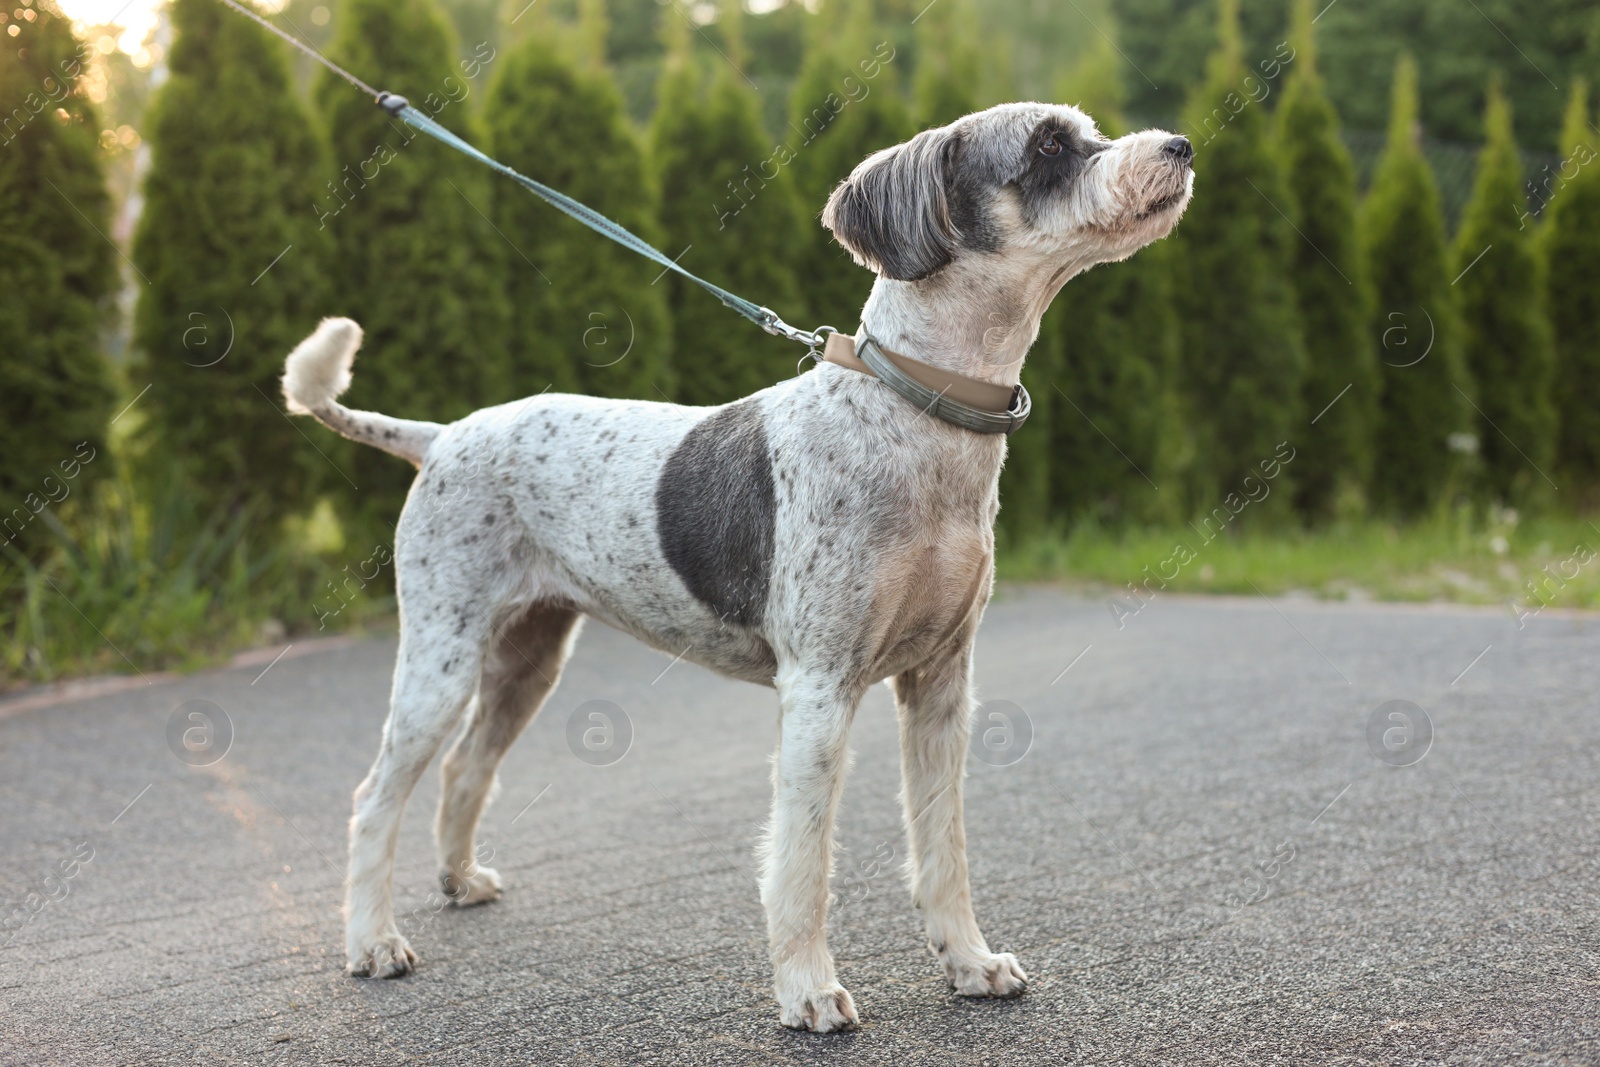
(935, 709)
(808, 775)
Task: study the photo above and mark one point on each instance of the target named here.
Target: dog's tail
(318, 370)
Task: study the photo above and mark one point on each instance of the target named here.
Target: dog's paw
(821, 1011)
(479, 887)
(385, 956)
(996, 974)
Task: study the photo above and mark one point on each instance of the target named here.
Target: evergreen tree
(586, 316)
(949, 61)
(415, 259)
(1506, 338)
(56, 272)
(734, 207)
(1571, 251)
(1242, 352)
(845, 105)
(1459, 45)
(230, 245)
(1094, 85)
(1340, 389)
(1115, 424)
(1112, 343)
(1425, 386)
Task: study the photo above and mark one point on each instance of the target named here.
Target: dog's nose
(1179, 149)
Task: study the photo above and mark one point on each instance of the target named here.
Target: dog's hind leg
(935, 711)
(435, 673)
(523, 665)
(807, 778)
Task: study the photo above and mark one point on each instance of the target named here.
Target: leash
(399, 107)
(927, 387)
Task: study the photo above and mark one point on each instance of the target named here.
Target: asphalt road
(1204, 856)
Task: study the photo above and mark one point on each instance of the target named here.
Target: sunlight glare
(135, 18)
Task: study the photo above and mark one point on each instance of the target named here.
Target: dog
(817, 537)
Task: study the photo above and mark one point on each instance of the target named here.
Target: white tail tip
(318, 369)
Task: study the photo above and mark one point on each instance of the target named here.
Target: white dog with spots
(817, 537)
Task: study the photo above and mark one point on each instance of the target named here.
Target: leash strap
(970, 403)
(401, 108)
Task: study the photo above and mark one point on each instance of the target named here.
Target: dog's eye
(1051, 147)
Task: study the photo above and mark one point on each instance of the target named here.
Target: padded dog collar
(980, 406)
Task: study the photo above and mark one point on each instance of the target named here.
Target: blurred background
(1367, 365)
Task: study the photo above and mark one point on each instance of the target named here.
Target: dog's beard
(1171, 200)
(1159, 187)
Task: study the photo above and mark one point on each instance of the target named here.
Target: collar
(970, 403)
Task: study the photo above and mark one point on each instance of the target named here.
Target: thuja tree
(1243, 359)
(1110, 342)
(1570, 247)
(1115, 416)
(56, 273)
(1423, 405)
(733, 210)
(949, 61)
(230, 260)
(415, 259)
(586, 315)
(1340, 390)
(845, 105)
(1506, 338)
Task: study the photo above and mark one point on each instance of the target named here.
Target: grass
(1494, 559)
(142, 582)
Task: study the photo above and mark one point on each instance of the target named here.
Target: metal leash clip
(819, 338)
(770, 322)
(812, 339)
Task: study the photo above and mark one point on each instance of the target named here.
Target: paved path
(1201, 858)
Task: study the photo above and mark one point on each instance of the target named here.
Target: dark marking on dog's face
(716, 510)
(1055, 156)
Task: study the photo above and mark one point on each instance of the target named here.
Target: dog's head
(1035, 185)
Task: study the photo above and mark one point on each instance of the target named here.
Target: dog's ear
(892, 213)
